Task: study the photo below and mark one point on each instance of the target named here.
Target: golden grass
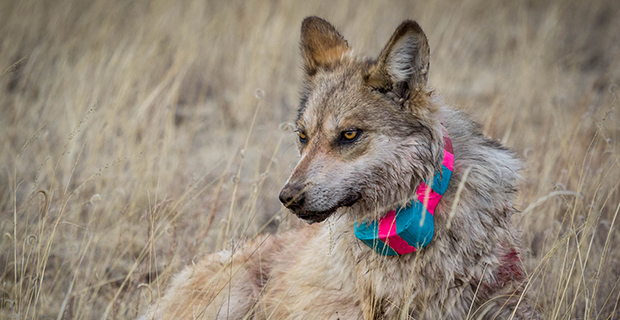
(138, 136)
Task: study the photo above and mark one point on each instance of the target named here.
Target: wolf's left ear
(321, 44)
(403, 64)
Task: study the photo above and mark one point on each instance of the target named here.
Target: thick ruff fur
(370, 131)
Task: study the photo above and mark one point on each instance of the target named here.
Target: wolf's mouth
(319, 216)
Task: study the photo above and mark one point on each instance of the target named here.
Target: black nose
(292, 197)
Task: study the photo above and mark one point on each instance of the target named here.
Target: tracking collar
(411, 227)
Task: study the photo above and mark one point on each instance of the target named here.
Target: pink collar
(411, 227)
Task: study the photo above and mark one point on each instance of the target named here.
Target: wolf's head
(367, 131)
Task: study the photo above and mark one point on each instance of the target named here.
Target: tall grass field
(138, 136)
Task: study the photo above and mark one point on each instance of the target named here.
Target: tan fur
(321, 45)
(322, 271)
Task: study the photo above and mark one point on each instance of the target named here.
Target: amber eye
(302, 136)
(350, 135)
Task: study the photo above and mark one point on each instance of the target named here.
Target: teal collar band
(411, 227)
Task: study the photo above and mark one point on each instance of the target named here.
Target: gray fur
(471, 268)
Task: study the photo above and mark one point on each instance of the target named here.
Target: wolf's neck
(486, 195)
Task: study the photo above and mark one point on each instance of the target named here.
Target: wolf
(370, 132)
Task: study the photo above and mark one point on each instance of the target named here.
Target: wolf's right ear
(403, 64)
(321, 44)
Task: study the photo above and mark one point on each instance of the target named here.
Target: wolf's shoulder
(493, 168)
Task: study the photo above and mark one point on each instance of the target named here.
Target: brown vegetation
(138, 136)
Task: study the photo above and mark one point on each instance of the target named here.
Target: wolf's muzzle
(292, 197)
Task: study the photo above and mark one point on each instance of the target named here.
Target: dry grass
(128, 147)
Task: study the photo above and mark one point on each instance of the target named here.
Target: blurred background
(138, 136)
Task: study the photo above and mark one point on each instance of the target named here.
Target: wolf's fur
(322, 271)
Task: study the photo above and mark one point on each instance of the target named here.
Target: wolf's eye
(302, 136)
(349, 135)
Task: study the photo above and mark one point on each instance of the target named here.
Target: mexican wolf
(371, 136)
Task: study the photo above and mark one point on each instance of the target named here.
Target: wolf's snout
(292, 197)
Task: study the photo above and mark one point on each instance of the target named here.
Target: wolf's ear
(321, 44)
(403, 64)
